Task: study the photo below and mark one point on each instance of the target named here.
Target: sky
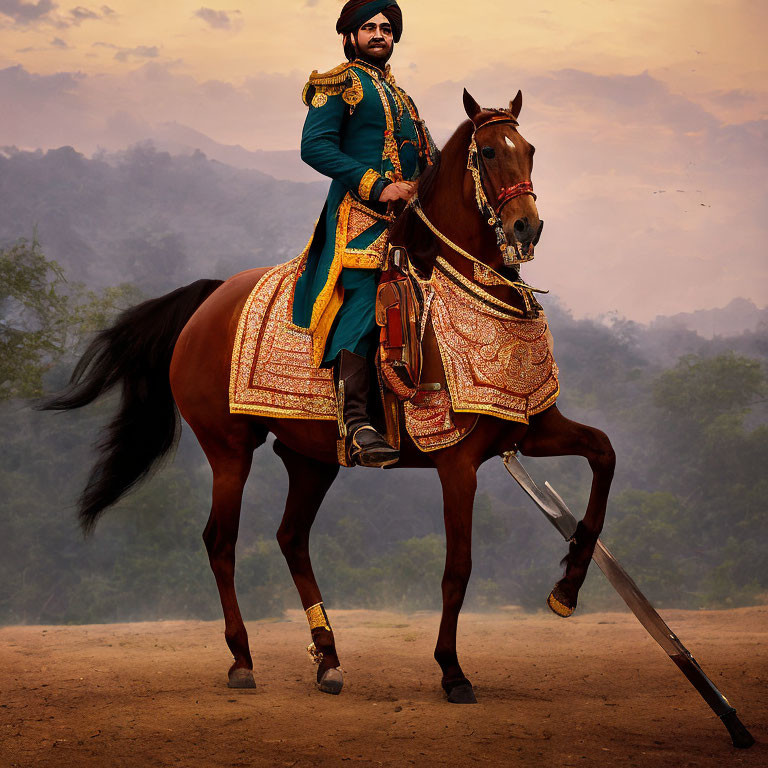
(650, 117)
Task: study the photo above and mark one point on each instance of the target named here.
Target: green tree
(32, 318)
(43, 318)
(699, 389)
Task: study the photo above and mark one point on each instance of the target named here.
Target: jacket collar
(372, 70)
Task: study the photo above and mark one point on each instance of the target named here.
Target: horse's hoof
(241, 678)
(461, 693)
(332, 681)
(557, 604)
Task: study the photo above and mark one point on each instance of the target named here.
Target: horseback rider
(364, 132)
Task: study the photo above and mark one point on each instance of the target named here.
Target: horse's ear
(516, 104)
(471, 107)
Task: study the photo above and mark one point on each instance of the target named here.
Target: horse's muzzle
(521, 244)
(526, 233)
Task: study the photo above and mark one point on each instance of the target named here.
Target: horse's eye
(488, 152)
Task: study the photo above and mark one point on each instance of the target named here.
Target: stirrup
(378, 454)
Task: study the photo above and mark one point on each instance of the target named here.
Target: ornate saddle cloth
(272, 372)
(496, 362)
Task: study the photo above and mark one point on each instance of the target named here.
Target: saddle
(399, 310)
(484, 357)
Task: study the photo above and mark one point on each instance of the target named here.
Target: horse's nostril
(520, 225)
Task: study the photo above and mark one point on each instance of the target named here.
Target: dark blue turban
(356, 12)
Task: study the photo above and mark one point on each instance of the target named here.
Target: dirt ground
(594, 690)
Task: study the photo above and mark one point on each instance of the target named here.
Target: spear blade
(557, 512)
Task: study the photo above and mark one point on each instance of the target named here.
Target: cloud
(57, 42)
(605, 145)
(80, 14)
(44, 12)
(139, 52)
(26, 13)
(124, 54)
(29, 91)
(232, 113)
(216, 19)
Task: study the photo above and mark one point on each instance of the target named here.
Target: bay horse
(175, 351)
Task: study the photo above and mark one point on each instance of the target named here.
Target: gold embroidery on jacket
(337, 80)
(370, 177)
(391, 151)
(353, 94)
(354, 219)
(319, 99)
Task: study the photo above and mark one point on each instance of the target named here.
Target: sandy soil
(594, 690)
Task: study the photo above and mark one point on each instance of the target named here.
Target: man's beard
(377, 61)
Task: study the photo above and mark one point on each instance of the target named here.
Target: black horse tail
(135, 352)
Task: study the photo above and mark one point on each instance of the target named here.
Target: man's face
(373, 41)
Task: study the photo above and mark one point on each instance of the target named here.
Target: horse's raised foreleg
(459, 481)
(231, 466)
(308, 482)
(551, 434)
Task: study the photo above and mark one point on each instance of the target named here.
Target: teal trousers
(355, 327)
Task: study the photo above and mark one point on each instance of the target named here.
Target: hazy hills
(147, 217)
(180, 139)
(161, 218)
(739, 315)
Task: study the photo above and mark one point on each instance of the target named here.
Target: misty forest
(82, 238)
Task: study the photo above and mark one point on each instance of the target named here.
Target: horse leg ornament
(308, 482)
(556, 511)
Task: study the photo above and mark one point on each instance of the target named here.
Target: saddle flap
(398, 312)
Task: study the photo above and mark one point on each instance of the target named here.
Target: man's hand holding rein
(398, 190)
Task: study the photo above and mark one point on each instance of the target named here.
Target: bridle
(491, 215)
(532, 307)
(509, 193)
(511, 254)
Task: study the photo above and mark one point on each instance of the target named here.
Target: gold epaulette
(339, 80)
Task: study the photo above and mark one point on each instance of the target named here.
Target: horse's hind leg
(308, 482)
(230, 461)
(551, 434)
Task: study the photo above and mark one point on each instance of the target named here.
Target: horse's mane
(408, 229)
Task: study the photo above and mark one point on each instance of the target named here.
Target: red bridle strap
(510, 193)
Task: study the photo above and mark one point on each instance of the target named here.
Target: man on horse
(364, 132)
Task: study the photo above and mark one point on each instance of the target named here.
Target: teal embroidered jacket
(364, 132)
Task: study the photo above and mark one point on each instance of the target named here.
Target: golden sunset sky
(694, 45)
(649, 116)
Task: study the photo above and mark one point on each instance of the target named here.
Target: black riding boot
(365, 446)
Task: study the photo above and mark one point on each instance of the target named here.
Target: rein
(526, 291)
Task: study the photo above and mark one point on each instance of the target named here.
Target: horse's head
(501, 161)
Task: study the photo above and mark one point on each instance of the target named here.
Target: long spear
(556, 511)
